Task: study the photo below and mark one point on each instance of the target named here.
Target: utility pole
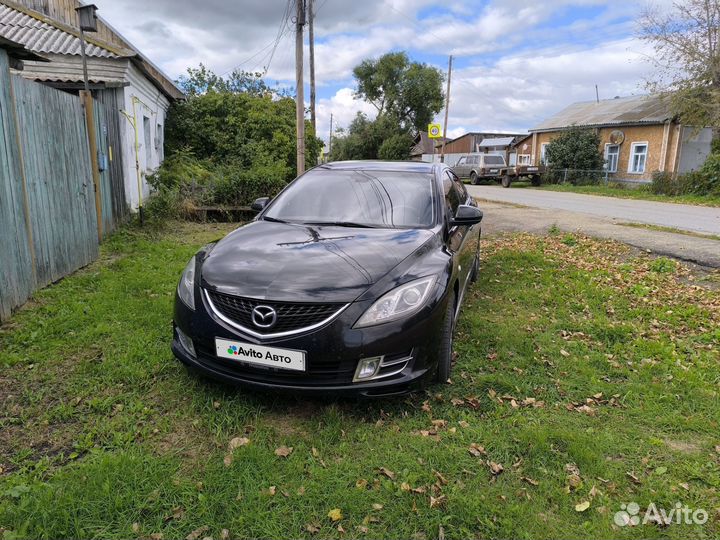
(447, 107)
(331, 132)
(300, 93)
(311, 37)
(597, 94)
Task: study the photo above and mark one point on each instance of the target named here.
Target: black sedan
(349, 281)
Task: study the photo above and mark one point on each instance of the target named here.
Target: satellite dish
(617, 137)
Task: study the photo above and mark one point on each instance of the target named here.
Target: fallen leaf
(387, 472)
(272, 490)
(437, 502)
(197, 533)
(439, 424)
(441, 533)
(457, 402)
(136, 528)
(237, 442)
(363, 529)
(564, 352)
(377, 506)
(157, 536)
(301, 490)
(581, 507)
(335, 514)
(312, 528)
(405, 486)
(495, 468)
(463, 424)
(419, 490)
(476, 450)
(632, 477)
(283, 451)
(224, 534)
(530, 481)
(426, 406)
(315, 452)
(227, 460)
(440, 477)
(361, 483)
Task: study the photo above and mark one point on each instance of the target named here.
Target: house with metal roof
(121, 77)
(639, 136)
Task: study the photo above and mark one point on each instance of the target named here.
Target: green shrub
(663, 265)
(705, 181)
(183, 183)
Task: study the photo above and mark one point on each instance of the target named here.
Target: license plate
(532, 169)
(260, 355)
(493, 170)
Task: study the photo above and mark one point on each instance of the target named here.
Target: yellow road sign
(434, 131)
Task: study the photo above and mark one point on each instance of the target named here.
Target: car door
(462, 240)
(462, 167)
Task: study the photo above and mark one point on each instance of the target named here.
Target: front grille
(291, 316)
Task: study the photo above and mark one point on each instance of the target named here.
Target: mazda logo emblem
(264, 316)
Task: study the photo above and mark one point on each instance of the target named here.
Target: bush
(705, 181)
(184, 183)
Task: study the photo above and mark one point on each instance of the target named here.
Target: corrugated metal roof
(497, 141)
(42, 37)
(651, 109)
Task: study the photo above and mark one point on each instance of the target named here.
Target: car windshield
(494, 160)
(365, 198)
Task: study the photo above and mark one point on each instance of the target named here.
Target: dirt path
(504, 217)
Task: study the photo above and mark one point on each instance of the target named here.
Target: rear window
(494, 160)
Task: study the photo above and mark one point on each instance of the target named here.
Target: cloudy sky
(515, 61)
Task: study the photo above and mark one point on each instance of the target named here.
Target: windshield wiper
(341, 224)
(273, 219)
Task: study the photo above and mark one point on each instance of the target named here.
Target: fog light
(185, 341)
(367, 368)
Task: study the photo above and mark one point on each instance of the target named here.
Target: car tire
(473, 179)
(535, 181)
(475, 272)
(506, 181)
(445, 351)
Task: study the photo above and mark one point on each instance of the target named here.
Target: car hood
(303, 263)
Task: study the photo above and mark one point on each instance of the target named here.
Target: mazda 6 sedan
(349, 281)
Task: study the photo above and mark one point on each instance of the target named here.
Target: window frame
(543, 153)
(632, 156)
(607, 156)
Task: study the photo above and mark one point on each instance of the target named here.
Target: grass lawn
(640, 192)
(587, 376)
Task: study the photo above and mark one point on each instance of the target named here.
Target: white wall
(142, 101)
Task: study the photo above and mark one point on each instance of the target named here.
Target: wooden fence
(48, 219)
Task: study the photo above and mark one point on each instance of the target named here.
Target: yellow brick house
(638, 134)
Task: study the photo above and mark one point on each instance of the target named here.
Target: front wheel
(473, 179)
(445, 351)
(506, 181)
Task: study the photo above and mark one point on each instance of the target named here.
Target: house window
(146, 131)
(543, 158)
(523, 159)
(612, 152)
(159, 150)
(638, 158)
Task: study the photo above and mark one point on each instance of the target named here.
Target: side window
(452, 196)
(461, 161)
(459, 187)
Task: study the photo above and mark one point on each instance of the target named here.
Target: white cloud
(343, 107)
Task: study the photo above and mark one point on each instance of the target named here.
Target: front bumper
(332, 351)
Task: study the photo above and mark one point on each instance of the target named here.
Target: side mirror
(466, 215)
(260, 203)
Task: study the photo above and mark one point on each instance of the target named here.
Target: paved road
(700, 219)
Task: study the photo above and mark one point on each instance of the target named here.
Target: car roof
(377, 165)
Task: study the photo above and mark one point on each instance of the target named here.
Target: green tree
(381, 138)
(575, 148)
(237, 121)
(409, 92)
(687, 58)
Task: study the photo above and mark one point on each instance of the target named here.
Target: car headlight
(186, 287)
(401, 302)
